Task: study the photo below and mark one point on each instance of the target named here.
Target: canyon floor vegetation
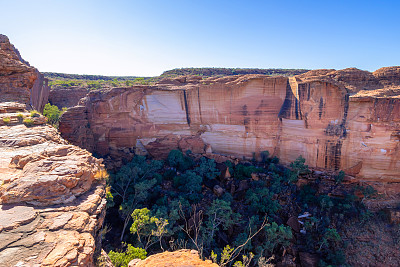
(243, 213)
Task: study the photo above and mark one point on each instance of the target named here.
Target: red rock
(20, 82)
(218, 190)
(179, 258)
(293, 222)
(74, 93)
(310, 115)
(52, 202)
(308, 259)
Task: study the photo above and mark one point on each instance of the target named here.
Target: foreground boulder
(179, 258)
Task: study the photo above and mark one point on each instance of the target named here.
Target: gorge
(337, 120)
(53, 182)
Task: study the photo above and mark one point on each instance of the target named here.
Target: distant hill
(209, 72)
(64, 80)
(65, 76)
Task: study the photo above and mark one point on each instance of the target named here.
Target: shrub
(52, 114)
(28, 122)
(207, 168)
(177, 160)
(35, 113)
(340, 177)
(94, 84)
(189, 183)
(299, 167)
(242, 172)
(20, 117)
(6, 120)
(276, 235)
(122, 259)
(261, 200)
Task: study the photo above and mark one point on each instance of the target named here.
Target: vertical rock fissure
(198, 99)
(345, 111)
(321, 107)
(186, 107)
(284, 112)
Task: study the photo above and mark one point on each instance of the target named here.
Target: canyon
(52, 188)
(337, 120)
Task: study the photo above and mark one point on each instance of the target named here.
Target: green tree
(299, 167)
(275, 235)
(122, 259)
(53, 114)
(177, 160)
(261, 200)
(340, 177)
(132, 183)
(207, 168)
(189, 183)
(220, 215)
(149, 229)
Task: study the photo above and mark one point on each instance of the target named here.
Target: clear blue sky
(146, 37)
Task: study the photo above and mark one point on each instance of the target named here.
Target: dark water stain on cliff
(333, 153)
(321, 107)
(186, 107)
(198, 101)
(339, 130)
(246, 118)
(333, 150)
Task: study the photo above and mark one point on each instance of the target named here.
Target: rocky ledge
(52, 203)
(179, 258)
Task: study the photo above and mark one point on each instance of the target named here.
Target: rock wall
(66, 97)
(52, 203)
(323, 115)
(19, 82)
(39, 92)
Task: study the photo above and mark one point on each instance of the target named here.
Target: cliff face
(20, 82)
(52, 202)
(323, 115)
(57, 96)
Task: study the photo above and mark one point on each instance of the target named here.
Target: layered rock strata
(52, 203)
(338, 120)
(66, 97)
(19, 82)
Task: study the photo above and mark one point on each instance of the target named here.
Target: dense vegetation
(98, 84)
(95, 82)
(235, 214)
(211, 72)
(59, 76)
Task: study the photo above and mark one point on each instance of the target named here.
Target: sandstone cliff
(20, 82)
(347, 119)
(52, 202)
(179, 258)
(66, 97)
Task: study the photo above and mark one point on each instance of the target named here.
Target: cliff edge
(52, 202)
